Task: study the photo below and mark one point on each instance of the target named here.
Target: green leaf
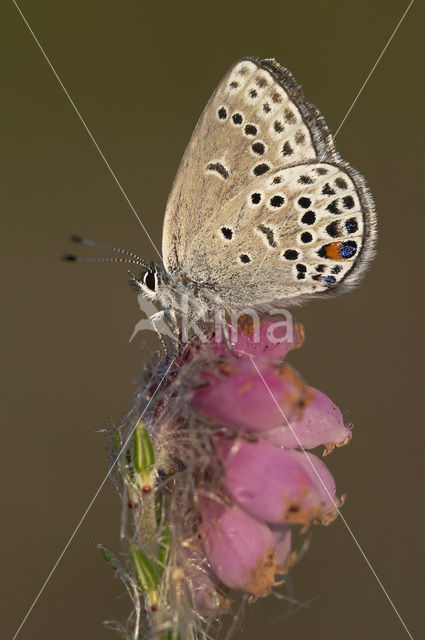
(110, 558)
(115, 441)
(143, 456)
(145, 573)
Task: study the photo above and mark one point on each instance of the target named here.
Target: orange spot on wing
(332, 251)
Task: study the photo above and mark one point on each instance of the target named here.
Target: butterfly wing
(256, 128)
(252, 123)
(301, 231)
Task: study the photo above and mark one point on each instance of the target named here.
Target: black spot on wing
(351, 225)
(305, 180)
(327, 190)
(218, 168)
(309, 218)
(333, 229)
(348, 202)
(251, 130)
(306, 237)
(304, 202)
(258, 148)
(260, 169)
(277, 201)
(290, 116)
(268, 232)
(287, 150)
(227, 232)
(333, 207)
(340, 183)
(291, 254)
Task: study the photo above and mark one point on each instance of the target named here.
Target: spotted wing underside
(237, 216)
(255, 121)
(300, 231)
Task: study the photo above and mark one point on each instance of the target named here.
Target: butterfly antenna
(108, 247)
(69, 257)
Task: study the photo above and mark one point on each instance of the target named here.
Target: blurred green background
(140, 73)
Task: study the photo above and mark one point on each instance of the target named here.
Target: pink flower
(237, 429)
(272, 484)
(320, 423)
(241, 550)
(261, 483)
(273, 402)
(273, 338)
(325, 484)
(236, 395)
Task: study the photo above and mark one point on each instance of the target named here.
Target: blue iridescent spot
(351, 225)
(329, 279)
(347, 249)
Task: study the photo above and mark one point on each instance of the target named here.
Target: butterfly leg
(159, 316)
(226, 336)
(168, 320)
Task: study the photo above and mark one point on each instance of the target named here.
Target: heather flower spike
(218, 483)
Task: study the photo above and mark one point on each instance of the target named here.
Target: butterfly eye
(150, 280)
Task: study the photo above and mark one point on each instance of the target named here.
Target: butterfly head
(150, 282)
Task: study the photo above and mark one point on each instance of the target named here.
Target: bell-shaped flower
(240, 549)
(240, 394)
(272, 484)
(319, 423)
(271, 337)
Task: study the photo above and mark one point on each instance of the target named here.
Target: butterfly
(263, 210)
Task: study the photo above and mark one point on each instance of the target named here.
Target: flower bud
(270, 483)
(271, 337)
(319, 423)
(324, 482)
(241, 550)
(237, 396)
